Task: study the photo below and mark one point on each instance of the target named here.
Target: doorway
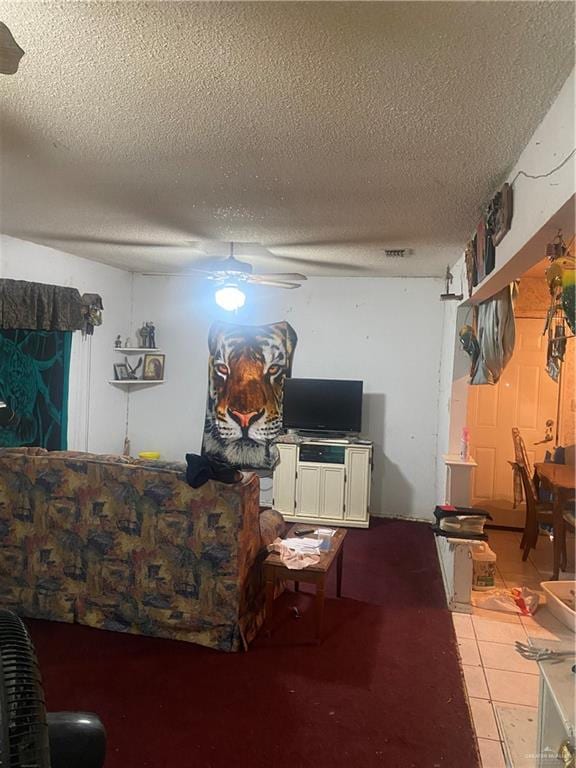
(525, 397)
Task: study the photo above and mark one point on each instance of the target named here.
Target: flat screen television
(323, 405)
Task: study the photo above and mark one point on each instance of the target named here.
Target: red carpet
(384, 688)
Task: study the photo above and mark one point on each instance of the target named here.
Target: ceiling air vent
(396, 253)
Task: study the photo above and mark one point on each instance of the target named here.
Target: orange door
(525, 397)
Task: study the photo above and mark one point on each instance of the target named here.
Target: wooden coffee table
(275, 569)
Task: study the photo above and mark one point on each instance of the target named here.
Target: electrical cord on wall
(543, 175)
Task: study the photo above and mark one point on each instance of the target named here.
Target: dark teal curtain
(34, 374)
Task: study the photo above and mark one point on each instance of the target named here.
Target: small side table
(275, 569)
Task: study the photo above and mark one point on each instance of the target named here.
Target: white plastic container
(556, 591)
(483, 567)
(325, 537)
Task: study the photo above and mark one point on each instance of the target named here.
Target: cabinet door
(284, 480)
(308, 491)
(358, 485)
(332, 484)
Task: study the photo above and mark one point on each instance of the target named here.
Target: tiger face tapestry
(246, 371)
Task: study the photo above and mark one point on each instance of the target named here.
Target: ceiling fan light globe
(230, 298)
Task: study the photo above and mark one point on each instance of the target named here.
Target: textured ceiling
(324, 131)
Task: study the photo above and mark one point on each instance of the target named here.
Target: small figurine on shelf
(118, 342)
(151, 335)
(128, 342)
(133, 370)
(143, 333)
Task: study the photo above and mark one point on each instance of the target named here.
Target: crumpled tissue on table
(292, 558)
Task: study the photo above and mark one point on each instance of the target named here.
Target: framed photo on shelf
(121, 372)
(153, 367)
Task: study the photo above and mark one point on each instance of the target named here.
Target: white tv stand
(323, 481)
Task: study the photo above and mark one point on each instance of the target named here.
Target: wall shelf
(137, 349)
(132, 382)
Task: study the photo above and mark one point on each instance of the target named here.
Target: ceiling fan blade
(273, 283)
(188, 273)
(290, 276)
(324, 264)
(190, 246)
(208, 274)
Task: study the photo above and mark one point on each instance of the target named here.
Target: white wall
(386, 332)
(97, 410)
(537, 201)
(540, 207)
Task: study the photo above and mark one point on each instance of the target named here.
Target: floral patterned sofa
(125, 545)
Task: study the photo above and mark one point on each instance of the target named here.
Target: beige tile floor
(493, 672)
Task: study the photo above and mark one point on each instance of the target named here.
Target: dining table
(560, 481)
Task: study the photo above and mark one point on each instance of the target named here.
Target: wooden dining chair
(566, 521)
(521, 460)
(536, 511)
(520, 452)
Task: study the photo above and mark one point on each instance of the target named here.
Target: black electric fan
(29, 738)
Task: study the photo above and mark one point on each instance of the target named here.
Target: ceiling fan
(231, 274)
(236, 272)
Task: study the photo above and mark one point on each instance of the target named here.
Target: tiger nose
(245, 419)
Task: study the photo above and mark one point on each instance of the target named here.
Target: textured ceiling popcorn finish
(327, 132)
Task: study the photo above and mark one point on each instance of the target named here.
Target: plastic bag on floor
(517, 600)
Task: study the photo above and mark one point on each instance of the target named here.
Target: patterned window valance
(36, 306)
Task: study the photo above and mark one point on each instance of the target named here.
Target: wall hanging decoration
(91, 312)
(246, 372)
(480, 252)
(491, 344)
(470, 261)
(499, 214)
(448, 295)
(561, 319)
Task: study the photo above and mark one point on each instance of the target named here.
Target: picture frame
(500, 212)
(480, 251)
(153, 367)
(121, 372)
